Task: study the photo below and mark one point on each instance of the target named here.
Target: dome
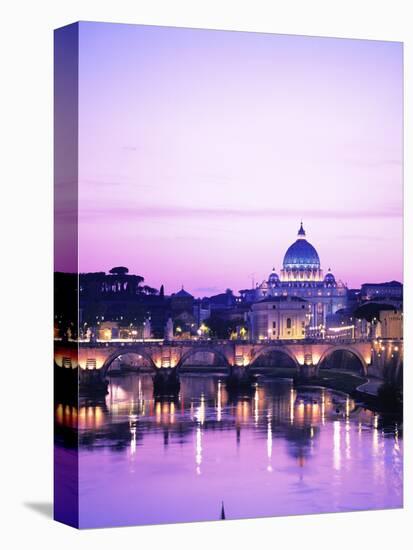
(273, 279)
(301, 254)
(182, 294)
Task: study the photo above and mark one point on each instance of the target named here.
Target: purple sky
(201, 151)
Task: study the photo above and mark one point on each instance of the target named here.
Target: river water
(276, 451)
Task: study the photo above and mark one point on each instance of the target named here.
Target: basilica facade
(301, 277)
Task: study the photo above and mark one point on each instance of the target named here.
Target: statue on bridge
(169, 330)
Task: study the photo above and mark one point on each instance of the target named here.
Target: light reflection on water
(277, 451)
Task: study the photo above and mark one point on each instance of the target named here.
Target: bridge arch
(204, 349)
(348, 349)
(129, 351)
(279, 349)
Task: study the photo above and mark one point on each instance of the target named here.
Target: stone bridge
(375, 356)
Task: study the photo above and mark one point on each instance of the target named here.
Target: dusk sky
(200, 152)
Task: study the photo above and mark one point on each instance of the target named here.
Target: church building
(301, 277)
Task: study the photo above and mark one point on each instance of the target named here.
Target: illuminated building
(389, 291)
(301, 276)
(279, 318)
(390, 324)
(108, 330)
(378, 320)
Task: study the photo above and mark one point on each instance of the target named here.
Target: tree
(220, 328)
(149, 290)
(390, 397)
(119, 270)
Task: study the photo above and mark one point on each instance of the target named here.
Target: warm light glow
(198, 449)
(256, 401)
(300, 411)
(292, 403)
(158, 412)
(375, 434)
(347, 439)
(339, 329)
(133, 440)
(323, 407)
(300, 358)
(219, 402)
(347, 406)
(336, 445)
(200, 411)
(269, 441)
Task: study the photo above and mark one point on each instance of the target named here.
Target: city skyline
(200, 154)
(255, 280)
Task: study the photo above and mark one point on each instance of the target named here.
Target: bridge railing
(212, 341)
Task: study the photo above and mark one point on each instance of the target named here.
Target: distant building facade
(390, 324)
(279, 318)
(389, 291)
(182, 301)
(367, 320)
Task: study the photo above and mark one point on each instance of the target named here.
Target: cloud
(111, 183)
(155, 212)
(375, 163)
(207, 289)
(99, 182)
(368, 238)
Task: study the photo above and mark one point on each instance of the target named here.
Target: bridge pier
(92, 381)
(307, 371)
(166, 381)
(240, 378)
(69, 382)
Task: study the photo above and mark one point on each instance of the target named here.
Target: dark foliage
(119, 270)
(390, 398)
